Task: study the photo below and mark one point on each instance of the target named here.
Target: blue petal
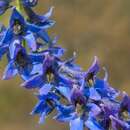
(2, 31)
(92, 124)
(76, 124)
(30, 39)
(49, 13)
(120, 124)
(13, 48)
(40, 20)
(57, 51)
(65, 118)
(94, 110)
(7, 37)
(34, 82)
(42, 118)
(103, 87)
(65, 91)
(10, 71)
(36, 57)
(65, 110)
(44, 36)
(34, 28)
(94, 94)
(71, 63)
(45, 89)
(94, 68)
(64, 80)
(16, 15)
(37, 69)
(38, 108)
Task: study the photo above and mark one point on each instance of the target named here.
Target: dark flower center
(125, 115)
(49, 74)
(21, 59)
(79, 109)
(79, 101)
(90, 79)
(17, 27)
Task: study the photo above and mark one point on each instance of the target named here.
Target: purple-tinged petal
(77, 96)
(119, 124)
(94, 109)
(94, 68)
(125, 103)
(41, 20)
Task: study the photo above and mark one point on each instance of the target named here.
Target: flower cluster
(80, 98)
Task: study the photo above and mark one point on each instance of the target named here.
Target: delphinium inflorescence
(90, 101)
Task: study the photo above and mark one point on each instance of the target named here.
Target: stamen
(79, 109)
(50, 75)
(90, 79)
(17, 28)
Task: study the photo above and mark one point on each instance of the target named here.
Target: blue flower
(23, 64)
(80, 112)
(45, 105)
(49, 74)
(20, 30)
(108, 109)
(125, 103)
(4, 5)
(99, 88)
(119, 124)
(40, 20)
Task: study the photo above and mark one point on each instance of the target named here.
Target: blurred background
(88, 27)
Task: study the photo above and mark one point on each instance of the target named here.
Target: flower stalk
(19, 5)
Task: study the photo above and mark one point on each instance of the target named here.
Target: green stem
(19, 6)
